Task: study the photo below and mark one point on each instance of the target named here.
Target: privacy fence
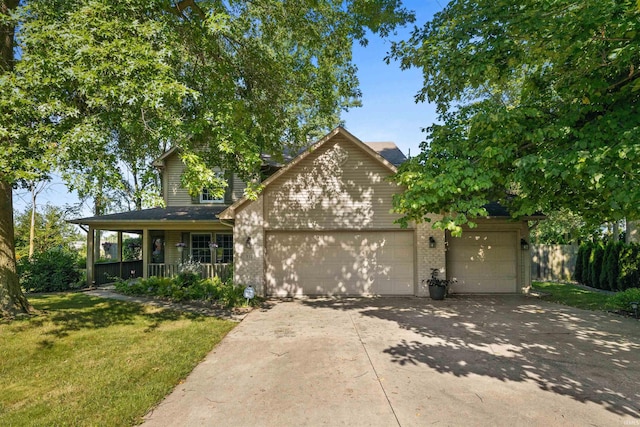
(553, 262)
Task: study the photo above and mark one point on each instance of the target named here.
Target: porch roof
(171, 215)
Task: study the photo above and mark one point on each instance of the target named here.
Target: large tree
(539, 108)
(99, 81)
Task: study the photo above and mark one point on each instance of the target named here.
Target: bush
(226, 294)
(610, 266)
(629, 267)
(622, 300)
(50, 271)
(577, 274)
(132, 249)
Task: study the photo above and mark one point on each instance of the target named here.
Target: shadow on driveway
(590, 357)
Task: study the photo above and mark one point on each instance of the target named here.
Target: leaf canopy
(538, 104)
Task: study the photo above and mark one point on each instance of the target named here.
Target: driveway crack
(374, 369)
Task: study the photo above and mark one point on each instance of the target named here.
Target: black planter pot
(437, 292)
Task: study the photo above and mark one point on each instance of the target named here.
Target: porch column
(146, 249)
(90, 259)
(119, 259)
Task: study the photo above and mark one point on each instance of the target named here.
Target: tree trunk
(12, 300)
(32, 228)
(633, 232)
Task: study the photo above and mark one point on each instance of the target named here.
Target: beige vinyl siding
(175, 194)
(337, 186)
(237, 188)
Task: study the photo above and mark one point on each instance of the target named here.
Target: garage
(340, 263)
(483, 262)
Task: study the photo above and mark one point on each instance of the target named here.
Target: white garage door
(483, 262)
(340, 263)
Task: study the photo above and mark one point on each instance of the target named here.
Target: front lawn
(91, 361)
(573, 296)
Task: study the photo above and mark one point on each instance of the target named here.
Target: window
(207, 197)
(200, 248)
(224, 253)
(201, 252)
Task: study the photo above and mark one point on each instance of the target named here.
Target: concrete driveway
(500, 360)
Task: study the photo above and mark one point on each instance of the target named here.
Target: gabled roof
(229, 213)
(389, 151)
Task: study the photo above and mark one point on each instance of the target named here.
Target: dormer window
(207, 197)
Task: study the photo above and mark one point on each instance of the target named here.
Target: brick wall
(426, 257)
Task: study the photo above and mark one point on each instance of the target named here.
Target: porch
(106, 272)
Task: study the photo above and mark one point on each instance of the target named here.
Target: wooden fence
(553, 262)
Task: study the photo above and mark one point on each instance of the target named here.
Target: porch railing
(207, 271)
(107, 272)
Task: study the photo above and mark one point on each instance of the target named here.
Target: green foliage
(615, 267)
(623, 300)
(539, 109)
(563, 227)
(610, 266)
(50, 271)
(185, 288)
(225, 81)
(629, 267)
(577, 274)
(132, 249)
(51, 230)
(595, 265)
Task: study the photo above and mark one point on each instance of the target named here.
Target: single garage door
(339, 263)
(483, 262)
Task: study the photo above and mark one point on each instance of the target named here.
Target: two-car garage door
(340, 263)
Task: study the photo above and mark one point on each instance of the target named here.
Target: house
(323, 225)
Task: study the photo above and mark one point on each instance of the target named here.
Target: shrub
(50, 271)
(214, 290)
(629, 266)
(622, 300)
(610, 266)
(577, 273)
(586, 262)
(132, 249)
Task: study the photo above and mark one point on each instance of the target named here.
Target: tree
(16, 160)
(51, 230)
(98, 80)
(563, 227)
(538, 105)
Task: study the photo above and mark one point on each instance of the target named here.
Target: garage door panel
(483, 262)
(339, 263)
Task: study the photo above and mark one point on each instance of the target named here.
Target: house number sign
(249, 292)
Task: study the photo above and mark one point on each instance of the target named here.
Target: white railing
(207, 271)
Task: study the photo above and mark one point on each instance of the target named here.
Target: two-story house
(323, 225)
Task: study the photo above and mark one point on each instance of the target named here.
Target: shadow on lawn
(74, 312)
(584, 355)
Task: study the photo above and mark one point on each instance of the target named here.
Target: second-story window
(207, 197)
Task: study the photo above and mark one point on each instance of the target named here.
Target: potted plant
(180, 246)
(438, 288)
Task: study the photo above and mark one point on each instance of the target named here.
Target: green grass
(91, 361)
(573, 296)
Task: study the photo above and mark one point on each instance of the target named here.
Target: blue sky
(388, 111)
